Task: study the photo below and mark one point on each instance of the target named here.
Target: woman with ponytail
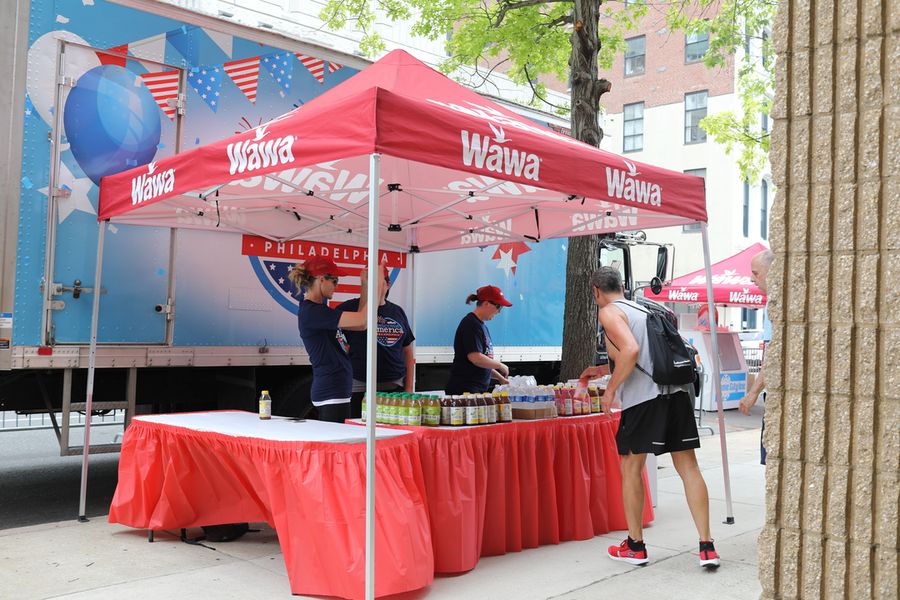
(474, 364)
(320, 329)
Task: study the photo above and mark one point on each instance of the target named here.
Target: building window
(634, 55)
(633, 122)
(694, 110)
(693, 227)
(764, 210)
(748, 318)
(746, 228)
(695, 46)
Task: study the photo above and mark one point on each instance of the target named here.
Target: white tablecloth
(246, 424)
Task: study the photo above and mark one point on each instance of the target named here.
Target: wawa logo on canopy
(625, 185)
(247, 156)
(150, 185)
(727, 277)
(493, 154)
(745, 297)
(683, 295)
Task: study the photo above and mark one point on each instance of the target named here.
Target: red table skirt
(312, 493)
(502, 488)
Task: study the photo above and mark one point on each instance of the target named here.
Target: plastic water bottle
(265, 406)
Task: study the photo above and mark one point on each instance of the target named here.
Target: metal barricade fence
(18, 420)
(754, 359)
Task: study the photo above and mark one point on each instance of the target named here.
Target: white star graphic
(506, 262)
(281, 281)
(78, 199)
(271, 267)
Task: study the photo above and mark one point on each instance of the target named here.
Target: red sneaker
(709, 558)
(624, 553)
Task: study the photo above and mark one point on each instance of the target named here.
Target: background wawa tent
(399, 157)
(732, 283)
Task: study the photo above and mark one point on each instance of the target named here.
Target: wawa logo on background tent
(150, 185)
(249, 155)
(493, 155)
(625, 185)
(683, 295)
(745, 297)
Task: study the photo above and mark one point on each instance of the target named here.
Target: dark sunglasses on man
(332, 278)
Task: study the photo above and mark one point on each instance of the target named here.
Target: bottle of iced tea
(594, 393)
(472, 410)
(457, 411)
(446, 408)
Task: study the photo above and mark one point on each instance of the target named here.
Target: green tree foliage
(523, 39)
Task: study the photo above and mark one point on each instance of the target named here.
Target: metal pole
(372, 299)
(412, 309)
(716, 370)
(92, 361)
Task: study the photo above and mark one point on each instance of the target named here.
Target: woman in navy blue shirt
(320, 329)
(474, 364)
(396, 361)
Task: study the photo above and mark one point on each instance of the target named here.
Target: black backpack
(672, 361)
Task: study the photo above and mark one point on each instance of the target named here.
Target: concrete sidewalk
(97, 560)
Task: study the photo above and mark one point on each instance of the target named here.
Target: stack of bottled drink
(576, 399)
(431, 411)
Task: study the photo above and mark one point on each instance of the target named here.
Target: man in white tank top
(657, 419)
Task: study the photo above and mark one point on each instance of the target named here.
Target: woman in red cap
(320, 329)
(474, 364)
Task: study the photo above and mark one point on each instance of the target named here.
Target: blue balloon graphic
(112, 122)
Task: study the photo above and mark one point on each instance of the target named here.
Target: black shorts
(664, 424)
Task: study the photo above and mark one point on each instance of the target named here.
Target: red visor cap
(319, 265)
(491, 293)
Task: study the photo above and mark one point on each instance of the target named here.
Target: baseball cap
(491, 293)
(319, 265)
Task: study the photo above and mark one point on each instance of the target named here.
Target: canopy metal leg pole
(92, 361)
(412, 310)
(372, 299)
(716, 370)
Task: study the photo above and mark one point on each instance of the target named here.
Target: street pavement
(96, 560)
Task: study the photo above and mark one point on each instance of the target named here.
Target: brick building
(660, 91)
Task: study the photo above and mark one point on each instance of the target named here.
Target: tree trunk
(579, 343)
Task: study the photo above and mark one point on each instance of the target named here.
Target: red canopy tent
(405, 159)
(731, 283)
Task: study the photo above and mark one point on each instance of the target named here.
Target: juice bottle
(391, 408)
(482, 409)
(403, 410)
(265, 406)
(457, 411)
(414, 416)
(446, 408)
(364, 407)
(432, 411)
(472, 416)
(505, 408)
(568, 406)
(594, 394)
(498, 404)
